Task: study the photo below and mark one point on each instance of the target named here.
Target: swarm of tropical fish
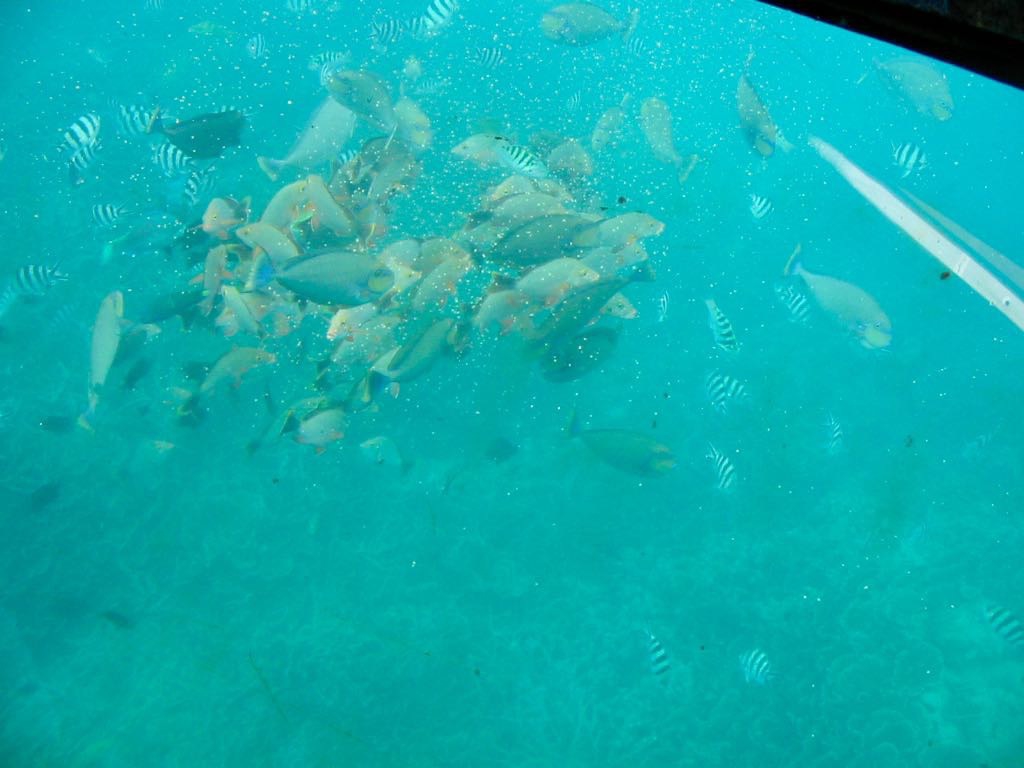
(533, 264)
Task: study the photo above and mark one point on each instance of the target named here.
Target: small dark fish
(205, 136)
(500, 450)
(118, 619)
(44, 496)
(183, 304)
(581, 355)
(135, 374)
(58, 425)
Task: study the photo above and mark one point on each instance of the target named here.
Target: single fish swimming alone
(725, 470)
(1006, 625)
(909, 158)
(721, 329)
(833, 435)
(755, 667)
(663, 307)
(760, 206)
(628, 451)
(722, 389)
(852, 306)
(256, 46)
(658, 657)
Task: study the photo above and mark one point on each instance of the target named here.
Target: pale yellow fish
(607, 131)
(755, 120)
(413, 124)
(656, 124)
(106, 338)
(382, 451)
(242, 312)
(326, 133)
(214, 272)
(366, 94)
(621, 307)
(346, 322)
(609, 262)
(232, 365)
(570, 158)
(854, 308)
(320, 428)
(441, 283)
(550, 282)
(484, 149)
(619, 231)
(921, 84)
(499, 311)
(328, 211)
(286, 205)
(275, 243)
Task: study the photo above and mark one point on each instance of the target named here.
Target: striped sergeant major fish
(760, 206)
(663, 307)
(84, 132)
(439, 14)
(256, 46)
(199, 184)
(909, 158)
(1006, 625)
(723, 389)
(80, 161)
(658, 657)
(300, 7)
(794, 301)
(573, 102)
(489, 58)
(721, 328)
(636, 46)
(134, 120)
(521, 160)
(172, 161)
(833, 435)
(338, 58)
(755, 667)
(725, 470)
(386, 33)
(30, 281)
(107, 214)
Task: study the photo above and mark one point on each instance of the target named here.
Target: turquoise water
(172, 598)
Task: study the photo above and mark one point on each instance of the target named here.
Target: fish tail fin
(630, 30)
(270, 166)
(153, 124)
(792, 264)
(573, 427)
(291, 423)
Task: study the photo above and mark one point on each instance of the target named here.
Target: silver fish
(721, 328)
(1006, 625)
(660, 664)
(833, 436)
(760, 206)
(723, 389)
(909, 158)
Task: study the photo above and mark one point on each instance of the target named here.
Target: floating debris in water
(756, 667)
